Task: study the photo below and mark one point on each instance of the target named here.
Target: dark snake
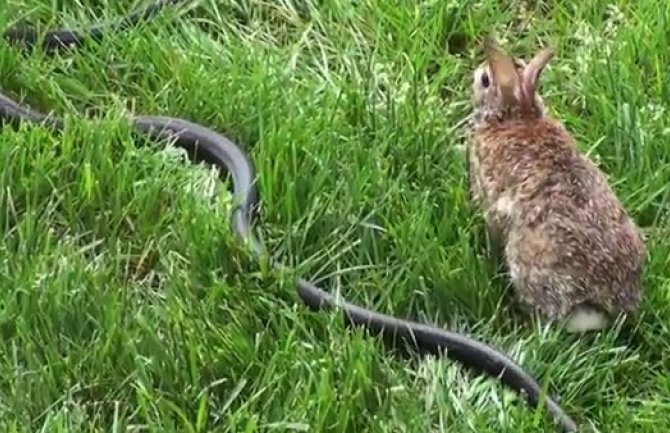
(204, 145)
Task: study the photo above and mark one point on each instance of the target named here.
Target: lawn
(128, 305)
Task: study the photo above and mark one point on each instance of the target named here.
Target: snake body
(61, 39)
(205, 145)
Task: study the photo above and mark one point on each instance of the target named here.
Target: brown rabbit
(570, 249)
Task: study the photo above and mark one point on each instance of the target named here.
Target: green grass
(128, 305)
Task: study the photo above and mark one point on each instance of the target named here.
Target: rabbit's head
(505, 88)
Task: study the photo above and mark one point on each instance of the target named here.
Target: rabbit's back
(567, 238)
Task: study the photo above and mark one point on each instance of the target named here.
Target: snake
(203, 144)
(62, 39)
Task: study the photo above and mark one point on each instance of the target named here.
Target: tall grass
(128, 304)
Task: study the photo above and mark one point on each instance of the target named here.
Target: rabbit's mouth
(485, 115)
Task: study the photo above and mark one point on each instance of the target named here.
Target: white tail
(585, 319)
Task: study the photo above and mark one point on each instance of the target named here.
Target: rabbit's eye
(485, 80)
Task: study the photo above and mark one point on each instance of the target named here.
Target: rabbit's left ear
(503, 71)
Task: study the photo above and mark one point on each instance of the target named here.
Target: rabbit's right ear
(532, 71)
(503, 71)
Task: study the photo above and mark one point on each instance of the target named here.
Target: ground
(128, 304)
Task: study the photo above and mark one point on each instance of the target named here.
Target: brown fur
(567, 240)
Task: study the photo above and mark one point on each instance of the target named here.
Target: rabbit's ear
(532, 71)
(503, 71)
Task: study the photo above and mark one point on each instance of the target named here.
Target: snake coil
(205, 145)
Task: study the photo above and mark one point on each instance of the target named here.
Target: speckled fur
(568, 242)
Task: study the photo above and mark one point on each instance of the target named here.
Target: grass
(128, 304)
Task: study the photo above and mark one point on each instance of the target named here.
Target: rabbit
(571, 251)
